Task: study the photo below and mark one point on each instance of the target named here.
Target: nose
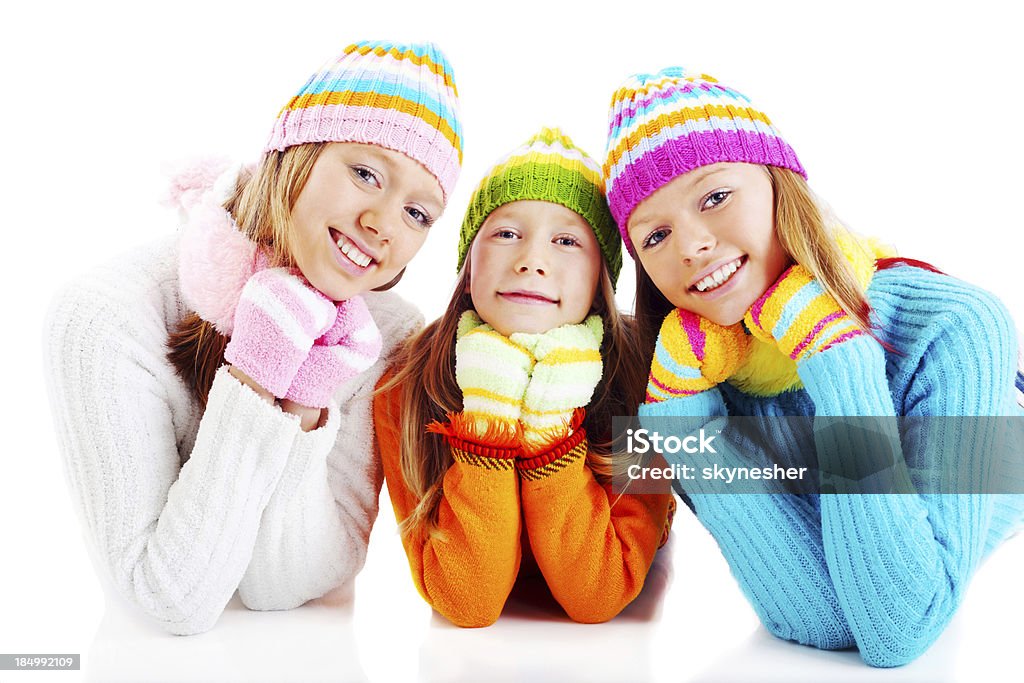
(532, 259)
(694, 243)
(373, 220)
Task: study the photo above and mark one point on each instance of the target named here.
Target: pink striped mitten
(351, 345)
(278, 316)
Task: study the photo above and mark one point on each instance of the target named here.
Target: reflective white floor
(690, 624)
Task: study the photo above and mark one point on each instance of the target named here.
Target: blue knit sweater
(884, 573)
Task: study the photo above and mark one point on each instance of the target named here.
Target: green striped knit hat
(550, 168)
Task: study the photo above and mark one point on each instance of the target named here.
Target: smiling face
(707, 239)
(535, 267)
(362, 215)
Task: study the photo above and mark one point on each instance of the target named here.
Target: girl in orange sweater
(495, 425)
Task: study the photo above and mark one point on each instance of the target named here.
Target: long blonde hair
(425, 373)
(261, 205)
(800, 223)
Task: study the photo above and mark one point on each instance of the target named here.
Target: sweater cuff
(848, 379)
(573, 447)
(310, 449)
(243, 414)
(469, 449)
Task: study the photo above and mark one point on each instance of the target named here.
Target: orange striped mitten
(798, 315)
(693, 355)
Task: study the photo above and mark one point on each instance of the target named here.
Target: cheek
(479, 282)
(583, 281)
(666, 276)
(413, 245)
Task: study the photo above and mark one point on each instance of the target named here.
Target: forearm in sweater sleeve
(315, 531)
(771, 541)
(466, 568)
(316, 527)
(901, 562)
(299, 551)
(176, 539)
(593, 546)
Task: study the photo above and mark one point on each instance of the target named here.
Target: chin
(725, 320)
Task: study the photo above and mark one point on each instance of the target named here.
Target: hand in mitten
(693, 355)
(493, 373)
(351, 345)
(278, 316)
(800, 316)
(567, 371)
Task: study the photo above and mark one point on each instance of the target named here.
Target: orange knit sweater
(594, 547)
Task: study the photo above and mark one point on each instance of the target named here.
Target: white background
(907, 117)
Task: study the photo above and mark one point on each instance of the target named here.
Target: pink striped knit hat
(398, 96)
(666, 124)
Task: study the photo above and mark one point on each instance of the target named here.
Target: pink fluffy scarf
(215, 259)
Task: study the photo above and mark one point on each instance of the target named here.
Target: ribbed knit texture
(398, 96)
(548, 167)
(882, 572)
(666, 124)
(181, 506)
(593, 546)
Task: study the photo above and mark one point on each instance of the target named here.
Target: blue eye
(655, 238)
(716, 198)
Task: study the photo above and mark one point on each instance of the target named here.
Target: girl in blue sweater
(753, 302)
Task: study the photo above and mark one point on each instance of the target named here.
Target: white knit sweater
(183, 505)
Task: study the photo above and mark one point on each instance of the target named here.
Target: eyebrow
(383, 158)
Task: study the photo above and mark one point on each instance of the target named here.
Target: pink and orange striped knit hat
(398, 96)
(666, 124)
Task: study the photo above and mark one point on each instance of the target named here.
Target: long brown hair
(425, 371)
(261, 206)
(800, 224)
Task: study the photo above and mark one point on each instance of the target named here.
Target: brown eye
(419, 216)
(366, 175)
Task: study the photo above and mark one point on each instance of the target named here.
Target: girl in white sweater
(211, 392)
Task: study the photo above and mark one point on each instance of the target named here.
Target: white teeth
(353, 253)
(717, 278)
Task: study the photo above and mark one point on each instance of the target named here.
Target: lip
(721, 290)
(715, 266)
(347, 264)
(528, 297)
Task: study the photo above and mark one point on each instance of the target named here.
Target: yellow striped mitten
(567, 372)
(798, 315)
(493, 373)
(693, 355)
